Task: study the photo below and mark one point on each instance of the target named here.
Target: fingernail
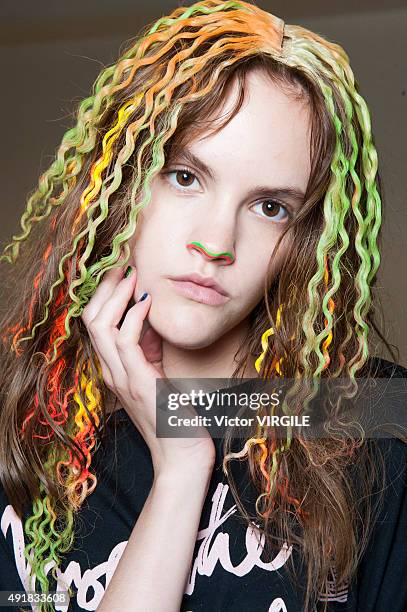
(129, 270)
(143, 297)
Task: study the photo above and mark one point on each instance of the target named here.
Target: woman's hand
(130, 365)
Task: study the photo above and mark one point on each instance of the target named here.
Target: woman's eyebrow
(186, 155)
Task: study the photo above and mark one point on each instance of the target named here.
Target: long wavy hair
(313, 320)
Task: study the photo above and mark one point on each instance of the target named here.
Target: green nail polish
(129, 270)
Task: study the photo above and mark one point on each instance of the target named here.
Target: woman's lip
(199, 293)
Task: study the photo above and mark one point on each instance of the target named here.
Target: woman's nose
(212, 252)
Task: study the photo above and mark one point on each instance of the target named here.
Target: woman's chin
(186, 332)
(191, 343)
(190, 338)
(188, 324)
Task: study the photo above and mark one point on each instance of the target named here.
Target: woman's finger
(131, 354)
(112, 309)
(103, 292)
(106, 373)
(103, 331)
(151, 343)
(104, 341)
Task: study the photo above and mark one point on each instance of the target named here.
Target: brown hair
(318, 476)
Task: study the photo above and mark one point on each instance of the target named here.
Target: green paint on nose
(224, 255)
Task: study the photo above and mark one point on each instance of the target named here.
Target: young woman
(214, 213)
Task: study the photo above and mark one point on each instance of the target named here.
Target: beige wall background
(51, 52)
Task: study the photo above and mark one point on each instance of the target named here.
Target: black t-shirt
(228, 571)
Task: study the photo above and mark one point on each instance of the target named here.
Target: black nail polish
(143, 297)
(128, 271)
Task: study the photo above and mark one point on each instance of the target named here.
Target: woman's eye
(183, 178)
(271, 208)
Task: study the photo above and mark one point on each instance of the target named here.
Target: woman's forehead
(269, 136)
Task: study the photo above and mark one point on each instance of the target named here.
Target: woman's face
(237, 198)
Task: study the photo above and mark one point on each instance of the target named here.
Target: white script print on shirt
(213, 548)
